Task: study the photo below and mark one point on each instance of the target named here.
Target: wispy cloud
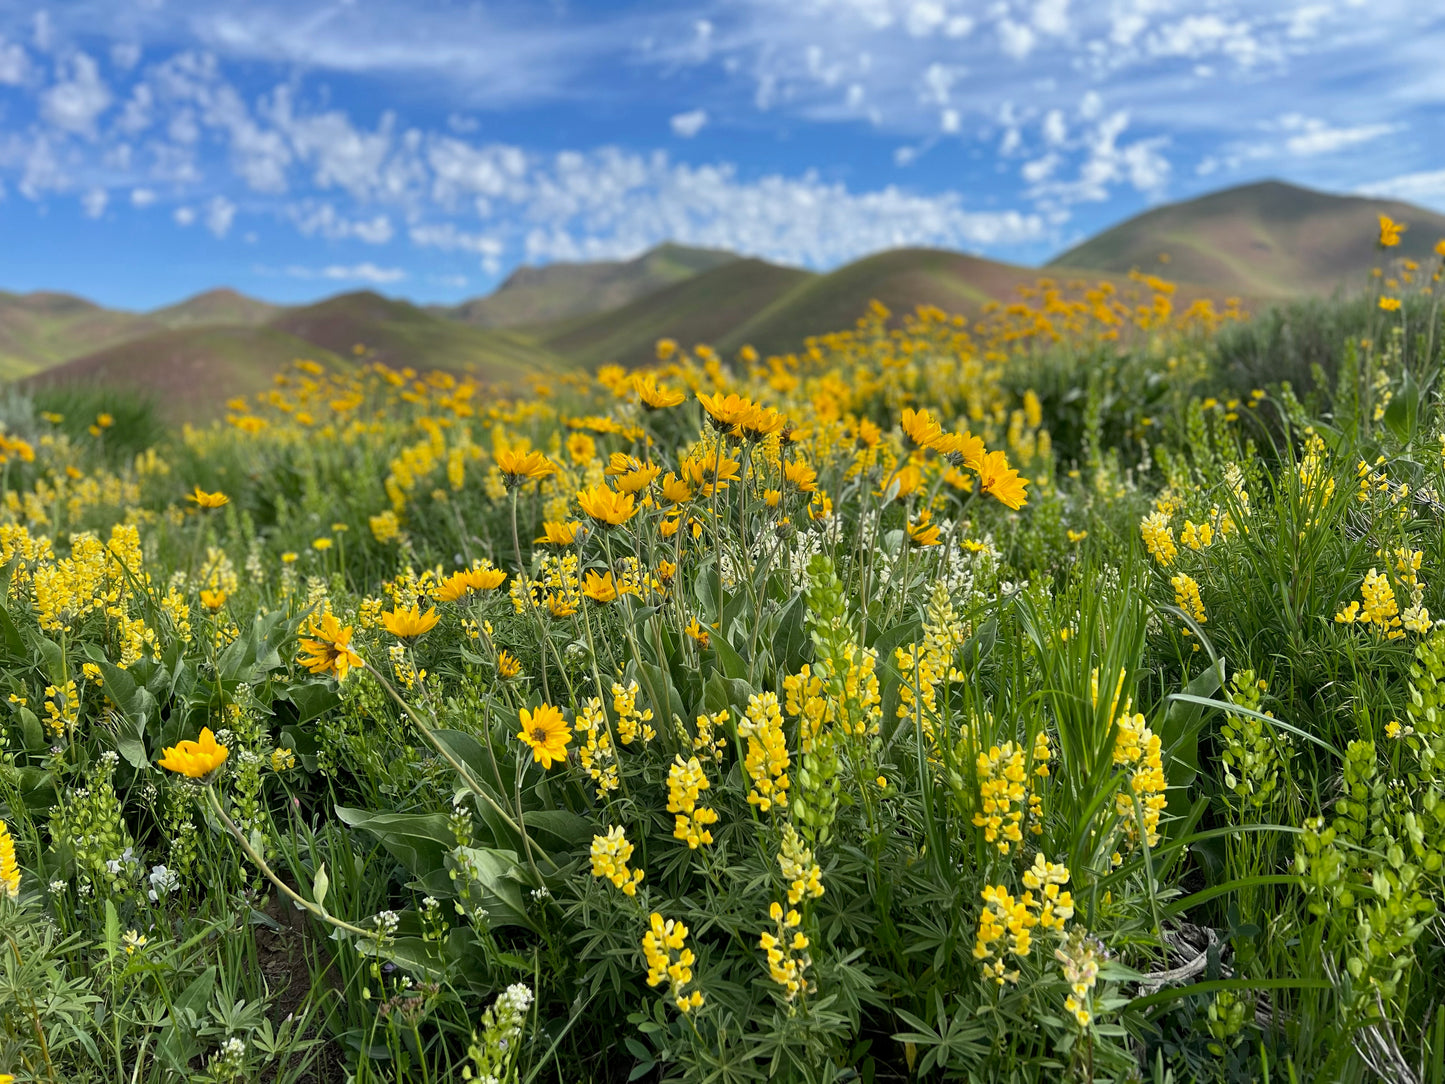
(367, 272)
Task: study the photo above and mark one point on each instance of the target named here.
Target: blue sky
(150, 149)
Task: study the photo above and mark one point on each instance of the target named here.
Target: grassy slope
(43, 329)
(1262, 240)
(222, 306)
(902, 279)
(702, 309)
(563, 291)
(191, 371)
(401, 334)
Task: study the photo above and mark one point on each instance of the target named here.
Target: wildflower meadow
(1049, 694)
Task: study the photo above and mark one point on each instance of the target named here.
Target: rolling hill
(702, 309)
(402, 334)
(192, 371)
(222, 306)
(42, 329)
(1266, 240)
(563, 291)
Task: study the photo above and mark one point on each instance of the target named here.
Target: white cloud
(77, 101)
(14, 64)
(1015, 39)
(125, 55)
(686, 125)
(220, 213)
(1312, 136)
(361, 272)
(1055, 128)
(94, 202)
(1051, 17)
(1427, 186)
(322, 219)
(142, 197)
(184, 216)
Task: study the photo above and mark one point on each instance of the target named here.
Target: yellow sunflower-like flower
(517, 466)
(559, 534)
(726, 412)
(920, 428)
(508, 666)
(208, 500)
(462, 585)
(547, 733)
(195, 759)
(655, 396)
(1002, 482)
(326, 647)
(606, 506)
(600, 588)
(1390, 231)
(411, 623)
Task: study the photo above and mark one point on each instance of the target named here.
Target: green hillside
(42, 329)
(401, 334)
(222, 306)
(703, 309)
(563, 291)
(902, 279)
(1267, 240)
(191, 372)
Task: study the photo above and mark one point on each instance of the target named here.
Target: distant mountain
(193, 371)
(1266, 240)
(534, 296)
(223, 306)
(902, 279)
(402, 334)
(776, 308)
(702, 309)
(42, 329)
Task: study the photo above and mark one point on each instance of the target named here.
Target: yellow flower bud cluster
(1002, 792)
(669, 960)
(1005, 925)
(803, 874)
(787, 951)
(766, 758)
(610, 855)
(594, 749)
(630, 721)
(685, 783)
(1158, 537)
(1138, 748)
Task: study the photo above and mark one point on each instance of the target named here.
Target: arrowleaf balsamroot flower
(9, 868)
(410, 624)
(1390, 231)
(462, 585)
(1002, 482)
(326, 647)
(195, 759)
(606, 506)
(655, 396)
(208, 500)
(599, 588)
(559, 534)
(547, 733)
(920, 428)
(519, 466)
